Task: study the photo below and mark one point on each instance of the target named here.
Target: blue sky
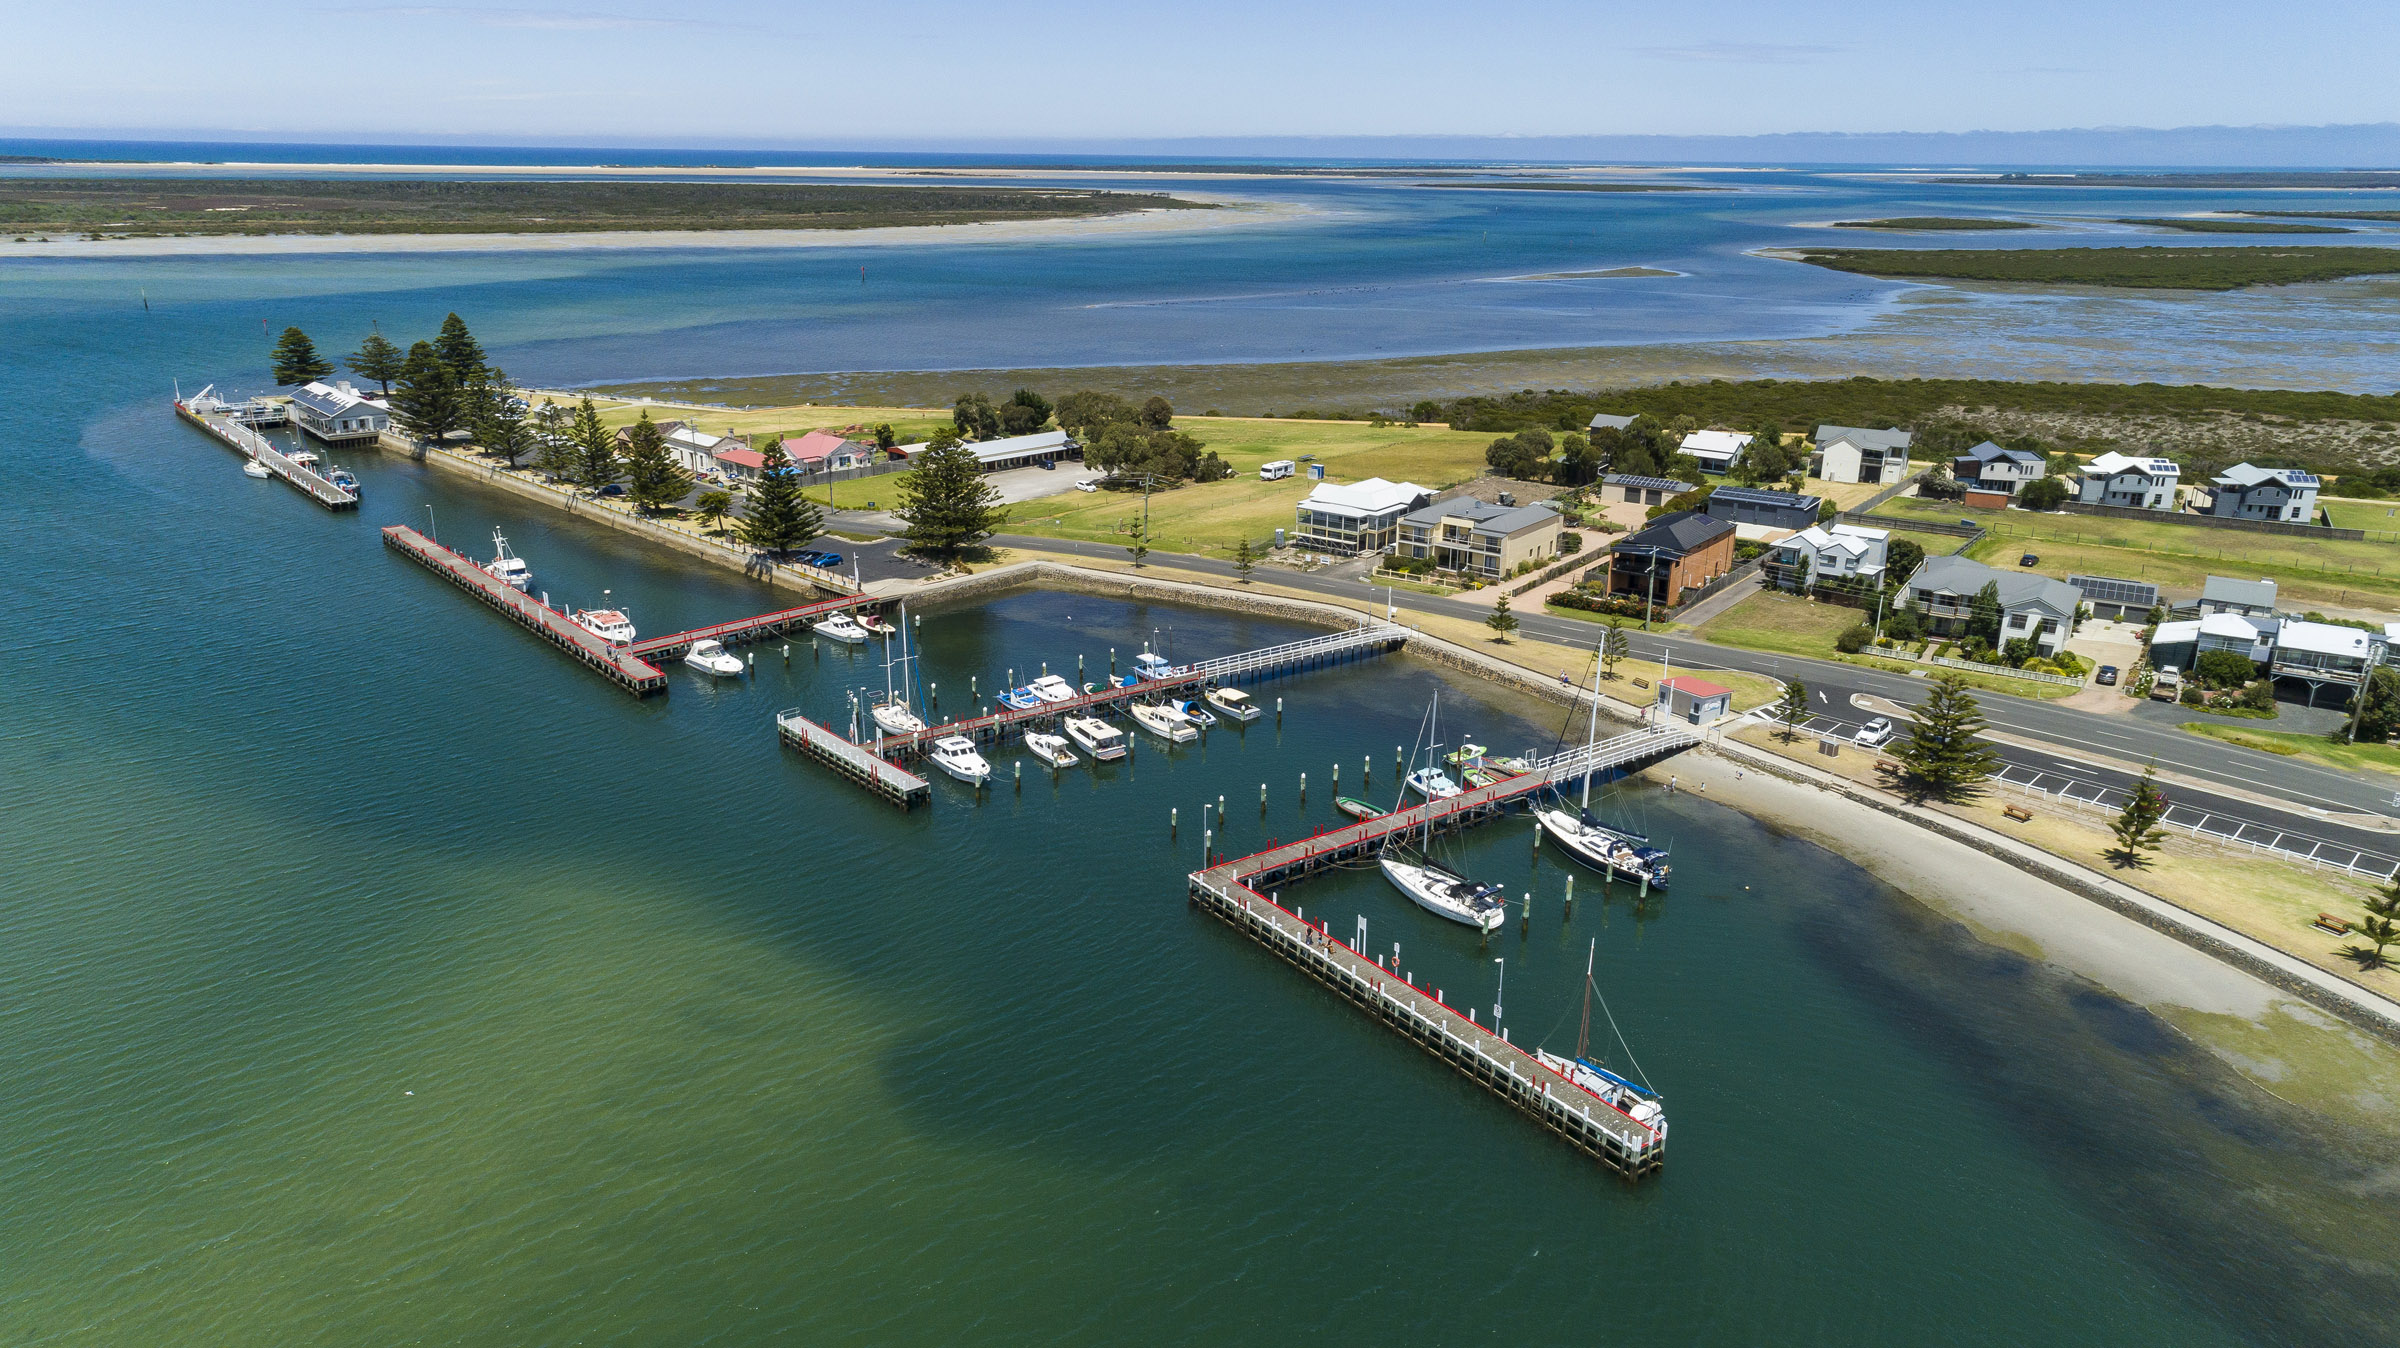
(733, 71)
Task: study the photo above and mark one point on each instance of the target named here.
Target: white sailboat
(1104, 742)
(507, 567)
(1051, 749)
(1636, 1102)
(1626, 855)
(1434, 887)
(254, 468)
(893, 713)
(955, 754)
(711, 657)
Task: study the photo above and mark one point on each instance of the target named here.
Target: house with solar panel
(2248, 492)
(1634, 489)
(1769, 510)
(2116, 598)
(2035, 608)
(338, 414)
(2130, 483)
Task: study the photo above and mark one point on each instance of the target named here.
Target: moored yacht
(1051, 749)
(1233, 702)
(712, 657)
(254, 468)
(1163, 722)
(1446, 893)
(1104, 742)
(896, 719)
(608, 624)
(1627, 855)
(507, 567)
(841, 627)
(955, 754)
(1150, 666)
(1052, 688)
(1628, 1097)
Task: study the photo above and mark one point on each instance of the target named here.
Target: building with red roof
(1696, 700)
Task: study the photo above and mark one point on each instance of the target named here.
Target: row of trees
(1647, 448)
(1123, 438)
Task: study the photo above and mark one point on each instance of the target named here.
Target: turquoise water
(369, 973)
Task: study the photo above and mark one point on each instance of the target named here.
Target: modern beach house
(1858, 454)
(2116, 479)
(2033, 607)
(1351, 518)
(1479, 537)
(1836, 554)
(1991, 474)
(2248, 492)
(1716, 451)
(1678, 553)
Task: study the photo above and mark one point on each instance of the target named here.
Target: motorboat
(875, 625)
(1628, 1097)
(1465, 756)
(1356, 808)
(1446, 893)
(1625, 855)
(1164, 722)
(896, 719)
(712, 657)
(1194, 712)
(1022, 699)
(1051, 749)
(1433, 784)
(608, 624)
(1104, 742)
(254, 468)
(301, 458)
(1148, 666)
(841, 627)
(1052, 688)
(955, 754)
(1232, 702)
(344, 479)
(507, 567)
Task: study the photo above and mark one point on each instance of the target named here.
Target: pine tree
(553, 432)
(2137, 827)
(712, 507)
(426, 401)
(377, 359)
(779, 517)
(497, 418)
(1945, 756)
(1792, 709)
(459, 350)
(1614, 646)
(1502, 621)
(2381, 925)
(595, 450)
(296, 360)
(1245, 559)
(652, 477)
(946, 502)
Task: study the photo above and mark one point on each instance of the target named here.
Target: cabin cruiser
(1232, 702)
(1021, 699)
(1432, 784)
(896, 719)
(507, 567)
(1164, 722)
(1104, 742)
(608, 624)
(1446, 893)
(1051, 749)
(955, 754)
(712, 657)
(1150, 666)
(254, 468)
(841, 627)
(345, 480)
(1600, 847)
(1052, 688)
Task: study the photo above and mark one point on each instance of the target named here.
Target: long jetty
(744, 631)
(617, 664)
(250, 444)
(886, 779)
(1231, 890)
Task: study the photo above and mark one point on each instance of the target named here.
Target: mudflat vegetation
(2206, 225)
(2133, 268)
(1960, 223)
(139, 207)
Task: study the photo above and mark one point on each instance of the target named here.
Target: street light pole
(1500, 992)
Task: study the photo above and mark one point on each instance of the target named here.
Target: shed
(1695, 700)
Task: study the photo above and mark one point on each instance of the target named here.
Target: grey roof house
(2035, 607)
(1639, 490)
(2249, 598)
(2248, 492)
(1859, 454)
(1988, 467)
(1488, 540)
(1757, 505)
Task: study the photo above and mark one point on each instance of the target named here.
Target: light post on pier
(1499, 992)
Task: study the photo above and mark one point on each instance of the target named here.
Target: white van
(1280, 468)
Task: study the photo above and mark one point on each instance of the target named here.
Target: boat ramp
(232, 426)
(1231, 890)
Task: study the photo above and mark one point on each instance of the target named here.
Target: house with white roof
(1858, 454)
(336, 412)
(2179, 645)
(1716, 451)
(1356, 517)
(2321, 654)
(2122, 480)
(1838, 554)
(2248, 492)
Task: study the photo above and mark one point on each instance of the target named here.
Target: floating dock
(227, 426)
(617, 664)
(888, 780)
(1230, 890)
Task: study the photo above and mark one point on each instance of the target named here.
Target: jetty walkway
(617, 664)
(228, 427)
(1231, 890)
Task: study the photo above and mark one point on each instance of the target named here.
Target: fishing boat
(1051, 749)
(713, 658)
(893, 711)
(1466, 756)
(507, 567)
(608, 624)
(1624, 1095)
(254, 468)
(1356, 808)
(1163, 722)
(1149, 666)
(345, 480)
(1434, 887)
(1433, 784)
(1022, 699)
(1194, 712)
(955, 754)
(1232, 702)
(1052, 688)
(841, 627)
(1624, 854)
(1104, 742)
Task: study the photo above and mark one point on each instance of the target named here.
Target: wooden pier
(886, 779)
(617, 664)
(744, 631)
(1230, 890)
(224, 425)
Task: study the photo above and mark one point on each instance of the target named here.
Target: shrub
(2018, 651)
(2259, 696)
(2190, 696)
(1570, 543)
(2224, 669)
(1904, 624)
(1746, 548)
(1854, 638)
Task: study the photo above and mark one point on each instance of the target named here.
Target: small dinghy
(1356, 808)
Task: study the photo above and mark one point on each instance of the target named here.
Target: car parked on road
(1873, 733)
(1088, 484)
(2107, 676)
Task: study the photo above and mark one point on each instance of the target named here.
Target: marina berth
(843, 628)
(956, 755)
(1104, 742)
(1232, 703)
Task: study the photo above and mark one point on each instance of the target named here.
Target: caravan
(1280, 468)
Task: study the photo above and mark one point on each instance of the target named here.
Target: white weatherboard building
(1716, 451)
(2121, 480)
(2248, 492)
(1827, 554)
(1858, 454)
(1356, 517)
(2321, 654)
(337, 412)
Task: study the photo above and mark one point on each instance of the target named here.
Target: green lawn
(2352, 757)
(1785, 624)
(2373, 516)
(2309, 570)
(908, 423)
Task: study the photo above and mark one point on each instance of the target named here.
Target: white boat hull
(723, 666)
(969, 773)
(1103, 749)
(1437, 892)
(847, 633)
(1596, 849)
(897, 720)
(1052, 749)
(1172, 729)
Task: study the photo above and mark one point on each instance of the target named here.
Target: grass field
(1786, 624)
(2351, 757)
(909, 423)
(2374, 516)
(2140, 268)
(2335, 572)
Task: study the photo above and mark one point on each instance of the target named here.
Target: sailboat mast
(1433, 755)
(1583, 1033)
(1591, 730)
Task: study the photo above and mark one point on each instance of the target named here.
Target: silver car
(1873, 733)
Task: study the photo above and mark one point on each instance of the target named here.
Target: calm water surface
(369, 973)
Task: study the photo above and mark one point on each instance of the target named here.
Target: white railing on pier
(1649, 742)
(279, 463)
(1226, 668)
